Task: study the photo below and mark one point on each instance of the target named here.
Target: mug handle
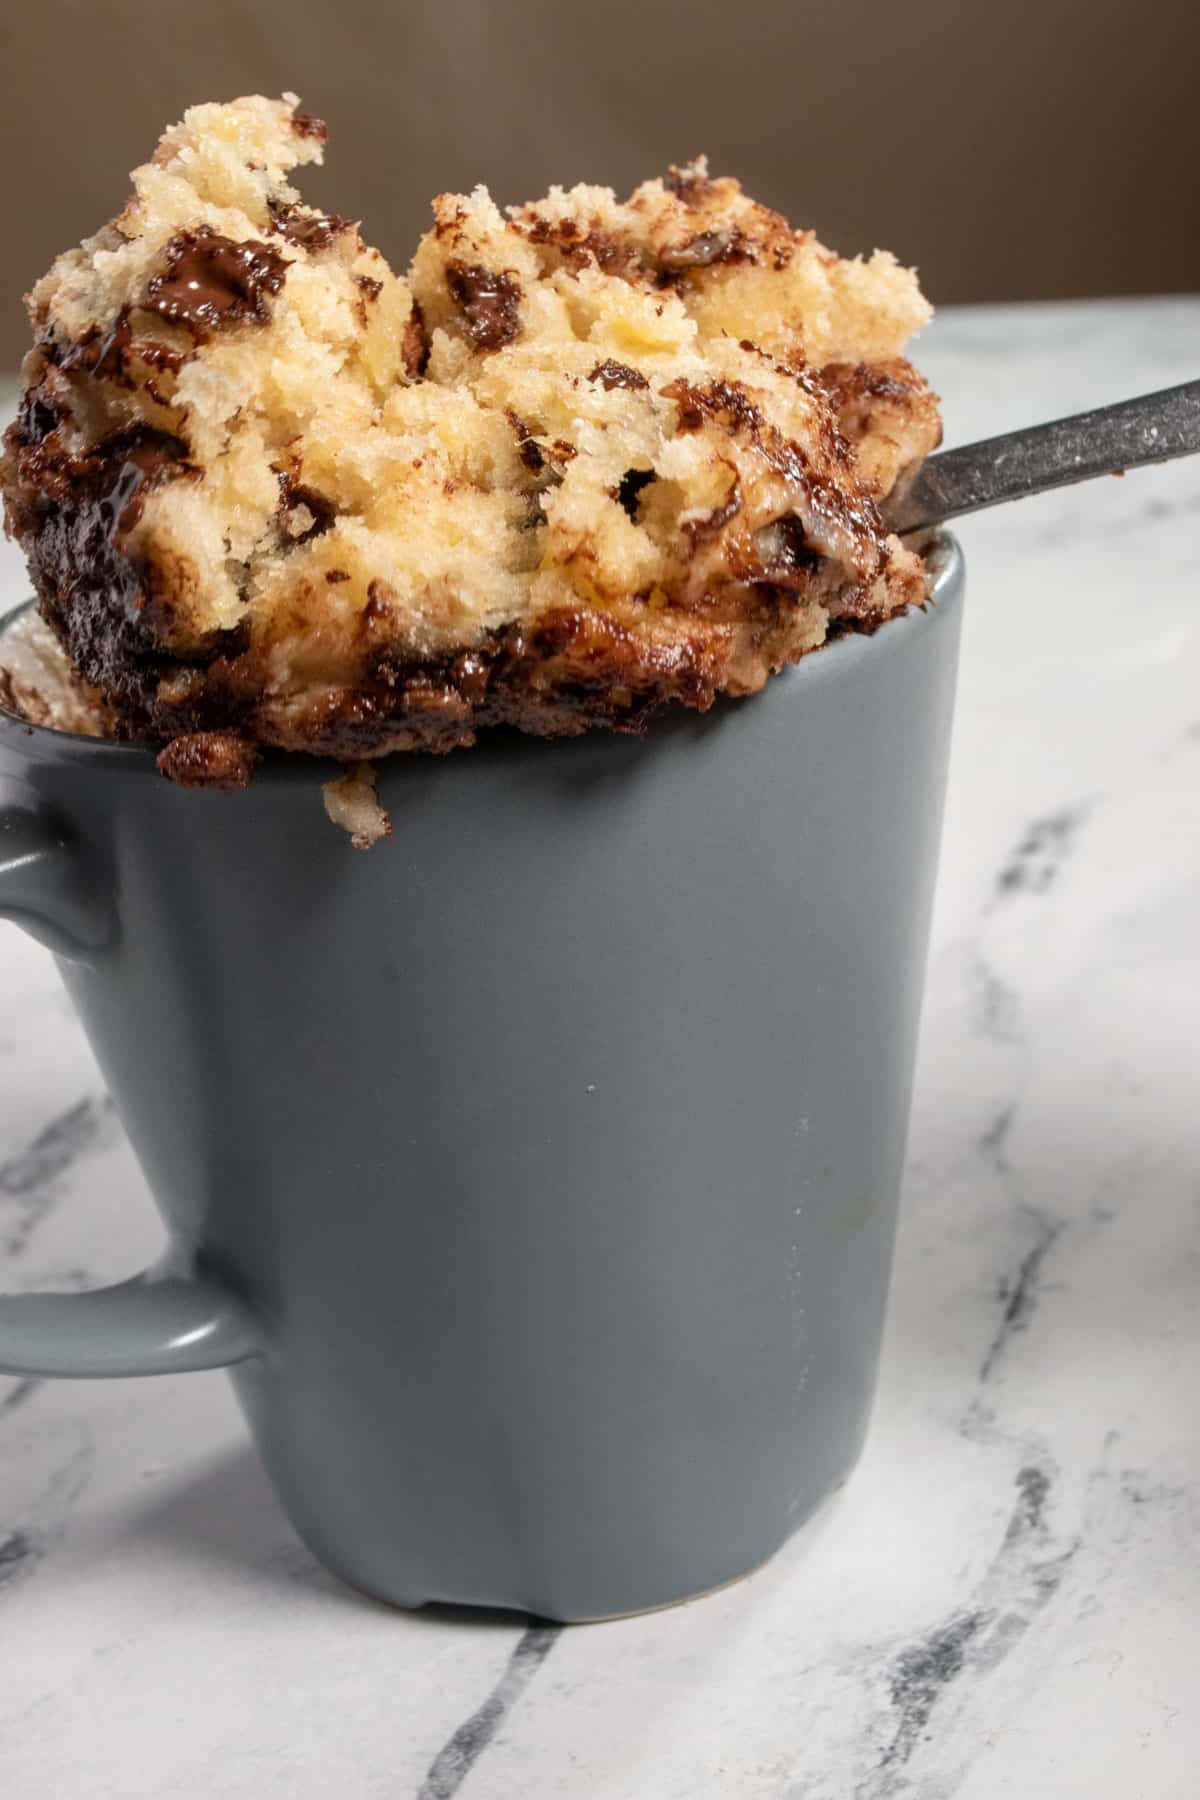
(167, 1320)
(45, 885)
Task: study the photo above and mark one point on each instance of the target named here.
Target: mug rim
(828, 661)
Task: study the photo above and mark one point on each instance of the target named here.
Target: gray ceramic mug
(536, 1172)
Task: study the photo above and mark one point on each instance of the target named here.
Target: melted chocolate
(101, 353)
(698, 252)
(556, 677)
(726, 400)
(414, 345)
(307, 230)
(209, 281)
(36, 418)
(489, 302)
(579, 249)
(75, 514)
(850, 513)
(612, 374)
(294, 493)
(787, 559)
(159, 355)
(632, 483)
(148, 463)
(856, 381)
(109, 354)
(528, 449)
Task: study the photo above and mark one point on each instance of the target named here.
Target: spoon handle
(1152, 428)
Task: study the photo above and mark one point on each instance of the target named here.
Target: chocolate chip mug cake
(537, 1183)
(588, 457)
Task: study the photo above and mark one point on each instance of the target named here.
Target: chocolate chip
(696, 252)
(489, 302)
(612, 374)
(310, 231)
(36, 417)
(414, 345)
(727, 401)
(210, 281)
(632, 483)
(111, 355)
(294, 493)
(100, 353)
(76, 512)
(528, 449)
(785, 555)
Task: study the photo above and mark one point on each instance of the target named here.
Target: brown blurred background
(1029, 148)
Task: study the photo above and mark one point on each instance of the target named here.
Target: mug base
(540, 1608)
(705, 1593)
(396, 1602)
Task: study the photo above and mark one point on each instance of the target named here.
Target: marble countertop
(1005, 1600)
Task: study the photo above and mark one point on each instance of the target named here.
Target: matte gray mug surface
(536, 1173)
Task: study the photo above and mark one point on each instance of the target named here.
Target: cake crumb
(352, 801)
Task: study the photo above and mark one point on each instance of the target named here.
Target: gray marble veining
(1006, 1598)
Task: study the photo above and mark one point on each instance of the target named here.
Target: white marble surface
(1006, 1599)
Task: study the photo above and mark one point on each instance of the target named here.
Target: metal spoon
(1152, 428)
